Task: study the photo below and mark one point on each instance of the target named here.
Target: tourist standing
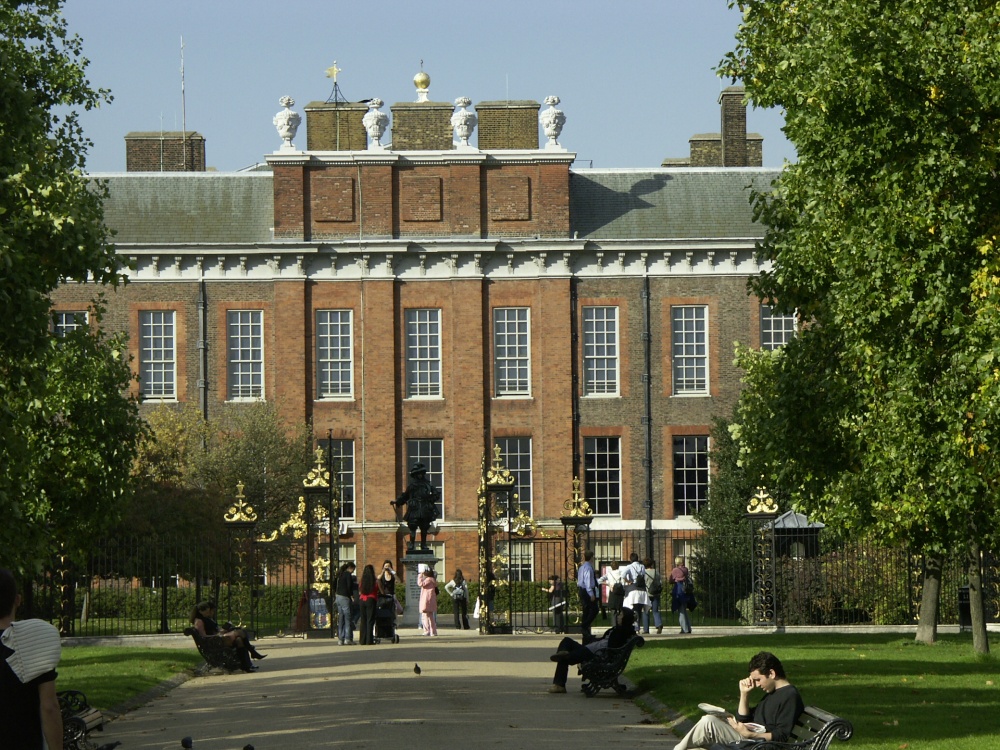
(367, 595)
(586, 583)
(681, 593)
(458, 589)
(427, 582)
(345, 589)
(32, 718)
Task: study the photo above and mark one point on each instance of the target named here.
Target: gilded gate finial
(240, 511)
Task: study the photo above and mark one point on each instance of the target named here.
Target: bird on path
(416, 669)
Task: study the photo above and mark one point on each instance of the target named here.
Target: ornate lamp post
(576, 520)
(761, 511)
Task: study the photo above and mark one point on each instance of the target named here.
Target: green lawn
(109, 676)
(897, 693)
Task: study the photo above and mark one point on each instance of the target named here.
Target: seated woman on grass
(203, 619)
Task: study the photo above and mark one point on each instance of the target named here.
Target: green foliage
(721, 555)
(189, 469)
(67, 434)
(882, 414)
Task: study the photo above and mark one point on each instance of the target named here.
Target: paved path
(474, 692)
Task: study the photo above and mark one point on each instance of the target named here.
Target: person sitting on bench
(572, 652)
(203, 619)
(773, 718)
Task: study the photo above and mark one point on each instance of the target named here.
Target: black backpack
(656, 587)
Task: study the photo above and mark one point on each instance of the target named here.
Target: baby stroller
(385, 619)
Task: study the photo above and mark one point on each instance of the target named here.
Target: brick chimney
(508, 125)
(336, 126)
(421, 126)
(172, 151)
(734, 127)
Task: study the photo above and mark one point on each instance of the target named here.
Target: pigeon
(186, 743)
(110, 745)
(416, 669)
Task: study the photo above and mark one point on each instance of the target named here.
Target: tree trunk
(930, 596)
(980, 643)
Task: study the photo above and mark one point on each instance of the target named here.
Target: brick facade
(462, 232)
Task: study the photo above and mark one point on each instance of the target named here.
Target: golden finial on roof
(332, 71)
(421, 80)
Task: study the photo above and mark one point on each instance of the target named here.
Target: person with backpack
(682, 594)
(654, 587)
(636, 596)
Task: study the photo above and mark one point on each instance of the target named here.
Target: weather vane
(332, 71)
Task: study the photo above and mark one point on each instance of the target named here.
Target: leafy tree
(67, 432)
(882, 414)
(190, 468)
(722, 554)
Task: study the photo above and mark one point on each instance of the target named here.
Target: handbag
(399, 607)
(688, 588)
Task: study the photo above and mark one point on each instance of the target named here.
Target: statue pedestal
(413, 558)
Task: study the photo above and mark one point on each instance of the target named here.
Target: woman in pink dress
(427, 582)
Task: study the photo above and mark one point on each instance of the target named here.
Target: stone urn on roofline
(375, 123)
(463, 121)
(552, 121)
(287, 122)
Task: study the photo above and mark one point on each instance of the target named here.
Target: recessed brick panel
(420, 198)
(332, 198)
(510, 198)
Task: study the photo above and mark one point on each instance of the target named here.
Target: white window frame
(689, 350)
(603, 483)
(335, 354)
(516, 455)
(690, 480)
(601, 351)
(158, 354)
(66, 321)
(342, 459)
(512, 351)
(245, 355)
(776, 330)
(429, 452)
(423, 353)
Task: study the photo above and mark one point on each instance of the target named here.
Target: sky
(636, 77)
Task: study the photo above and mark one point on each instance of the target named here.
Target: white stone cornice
(443, 259)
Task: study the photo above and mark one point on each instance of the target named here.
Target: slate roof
(189, 207)
(632, 204)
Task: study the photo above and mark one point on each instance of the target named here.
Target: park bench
(606, 667)
(79, 719)
(814, 730)
(215, 652)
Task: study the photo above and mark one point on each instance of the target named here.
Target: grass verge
(111, 676)
(897, 693)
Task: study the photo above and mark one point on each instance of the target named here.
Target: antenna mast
(184, 148)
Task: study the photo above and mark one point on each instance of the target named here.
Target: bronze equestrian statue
(420, 499)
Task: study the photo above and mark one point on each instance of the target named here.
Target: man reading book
(775, 715)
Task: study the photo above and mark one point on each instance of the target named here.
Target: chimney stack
(734, 127)
(172, 151)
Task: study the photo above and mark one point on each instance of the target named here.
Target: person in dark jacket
(572, 652)
(772, 719)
